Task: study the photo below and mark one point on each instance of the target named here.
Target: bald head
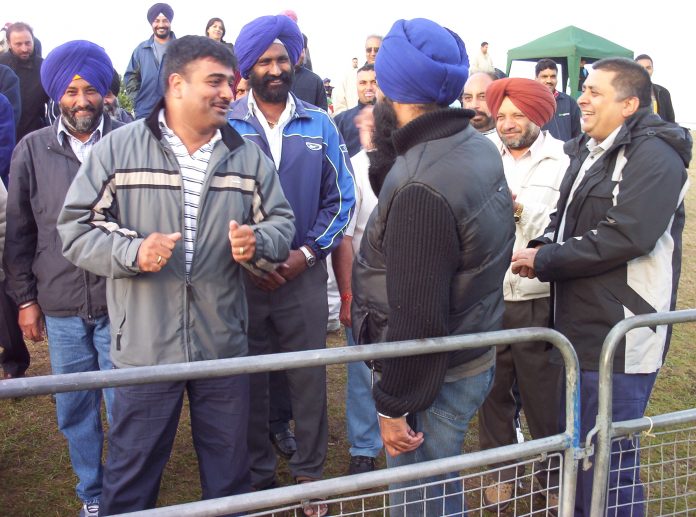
(474, 98)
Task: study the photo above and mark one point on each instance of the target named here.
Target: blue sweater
(315, 173)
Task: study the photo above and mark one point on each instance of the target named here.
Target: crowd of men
(202, 229)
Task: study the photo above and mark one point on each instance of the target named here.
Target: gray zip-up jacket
(130, 187)
(40, 175)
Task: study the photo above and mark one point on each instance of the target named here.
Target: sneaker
(498, 495)
(361, 464)
(89, 510)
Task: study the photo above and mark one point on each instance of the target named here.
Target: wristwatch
(310, 259)
(518, 212)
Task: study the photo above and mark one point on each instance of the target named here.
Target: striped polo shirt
(193, 168)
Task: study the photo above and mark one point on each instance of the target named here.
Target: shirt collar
(532, 151)
(167, 132)
(63, 131)
(287, 114)
(595, 147)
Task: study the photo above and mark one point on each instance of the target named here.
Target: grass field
(36, 478)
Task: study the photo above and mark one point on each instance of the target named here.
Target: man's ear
(630, 106)
(175, 82)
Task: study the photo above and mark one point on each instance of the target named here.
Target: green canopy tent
(566, 47)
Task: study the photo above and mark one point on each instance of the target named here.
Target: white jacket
(538, 191)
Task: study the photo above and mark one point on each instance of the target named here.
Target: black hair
(210, 24)
(630, 79)
(183, 51)
(366, 68)
(545, 64)
(115, 87)
(643, 56)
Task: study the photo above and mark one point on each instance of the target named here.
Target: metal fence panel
(565, 444)
(605, 430)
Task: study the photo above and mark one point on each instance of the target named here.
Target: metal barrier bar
(358, 482)
(604, 427)
(568, 442)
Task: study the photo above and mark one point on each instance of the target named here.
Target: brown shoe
(498, 495)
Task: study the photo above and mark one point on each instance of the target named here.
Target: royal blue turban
(421, 62)
(257, 35)
(154, 11)
(83, 58)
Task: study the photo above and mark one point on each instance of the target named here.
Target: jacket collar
(240, 110)
(434, 125)
(576, 146)
(230, 137)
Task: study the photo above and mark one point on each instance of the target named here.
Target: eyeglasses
(369, 50)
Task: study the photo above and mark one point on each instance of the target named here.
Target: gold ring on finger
(159, 259)
(241, 250)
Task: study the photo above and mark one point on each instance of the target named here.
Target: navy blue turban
(154, 11)
(421, 62)
(76, 58)
(257, 35)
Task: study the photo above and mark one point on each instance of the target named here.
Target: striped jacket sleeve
(88, 224)
(338, 194)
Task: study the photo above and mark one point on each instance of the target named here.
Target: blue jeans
(444, 426)
(630, 398)
(361, 415)
(76, 345)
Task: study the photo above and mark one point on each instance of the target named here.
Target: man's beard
(384, 156)
(521, 141)
(162, 33)
(82, 125)
(482, 125)
(272, 94)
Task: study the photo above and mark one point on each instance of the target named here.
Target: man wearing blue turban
(432, 258)
(44, 285)
(142, 76)
(314, 170)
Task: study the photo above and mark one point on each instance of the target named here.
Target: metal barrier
(609, 432)
(566, 444)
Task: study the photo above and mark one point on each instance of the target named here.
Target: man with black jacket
(613, 249)
(437, 245)
(661, 98)
(565, 123)
(45, 286)
(25, 61)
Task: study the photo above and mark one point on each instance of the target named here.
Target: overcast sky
(337, 30)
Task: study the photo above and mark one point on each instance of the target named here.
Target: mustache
(283, 76)
(83, 108)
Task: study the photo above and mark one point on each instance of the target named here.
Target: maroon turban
(531, 98)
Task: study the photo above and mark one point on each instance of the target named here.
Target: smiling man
(474, 98)
(565, 123)
(534, 164)
(143, 72)
(46, 287)
(169, 209)
(367, 95)
(613, 249)
(288, 306)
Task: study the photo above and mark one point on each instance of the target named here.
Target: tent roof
(569, 41)
(566, 47)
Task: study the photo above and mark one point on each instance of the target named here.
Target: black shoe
(284, 442)
(361, 464)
